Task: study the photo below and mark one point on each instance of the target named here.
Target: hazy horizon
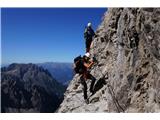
(36, 63)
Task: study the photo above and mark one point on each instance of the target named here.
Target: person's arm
(93, 33)
(88, 65)
(91, 61)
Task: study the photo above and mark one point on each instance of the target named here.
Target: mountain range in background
(29, 88)
(63, 72)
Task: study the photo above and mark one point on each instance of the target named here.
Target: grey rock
(29, 88)
(128, 52)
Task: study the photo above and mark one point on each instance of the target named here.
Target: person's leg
(89, 76)
(83, 82)
(87, 46)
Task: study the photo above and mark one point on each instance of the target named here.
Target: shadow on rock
(100, 83)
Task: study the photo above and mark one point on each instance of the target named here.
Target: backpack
(88, 33)
(79, 67)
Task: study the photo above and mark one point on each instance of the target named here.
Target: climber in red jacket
(82, 66)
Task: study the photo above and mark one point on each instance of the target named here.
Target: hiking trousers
(83, 79)
(88, 44)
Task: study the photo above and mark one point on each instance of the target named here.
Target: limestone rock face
(127, 48)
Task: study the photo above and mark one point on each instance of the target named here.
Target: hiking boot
(87, 101)
(92, 92)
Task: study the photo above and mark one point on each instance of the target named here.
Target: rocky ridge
(127, 47)
(62, 72)
(29, 88)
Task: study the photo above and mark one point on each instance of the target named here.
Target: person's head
(86, 56)
(89, 24)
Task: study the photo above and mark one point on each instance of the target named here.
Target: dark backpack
(88, 33)
(79, 67)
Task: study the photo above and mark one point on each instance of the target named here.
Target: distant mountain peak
(27, 81)
(63, 72)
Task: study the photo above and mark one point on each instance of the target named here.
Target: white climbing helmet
(89, 24)
(87, 54)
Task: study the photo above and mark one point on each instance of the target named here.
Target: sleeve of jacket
(93, 33)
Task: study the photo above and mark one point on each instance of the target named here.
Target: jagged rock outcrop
(127, 48)
(29, 88)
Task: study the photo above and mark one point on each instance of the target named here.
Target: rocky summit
(29, 88)
(127, 49)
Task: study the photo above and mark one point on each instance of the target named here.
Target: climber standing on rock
(88, 35)
(82, 64)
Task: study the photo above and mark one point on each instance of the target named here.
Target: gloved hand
(95, 35)
(94, 60)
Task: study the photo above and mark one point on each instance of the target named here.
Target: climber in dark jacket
(88, 35)
(85, 74)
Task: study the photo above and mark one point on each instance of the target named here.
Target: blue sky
(45, 34)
